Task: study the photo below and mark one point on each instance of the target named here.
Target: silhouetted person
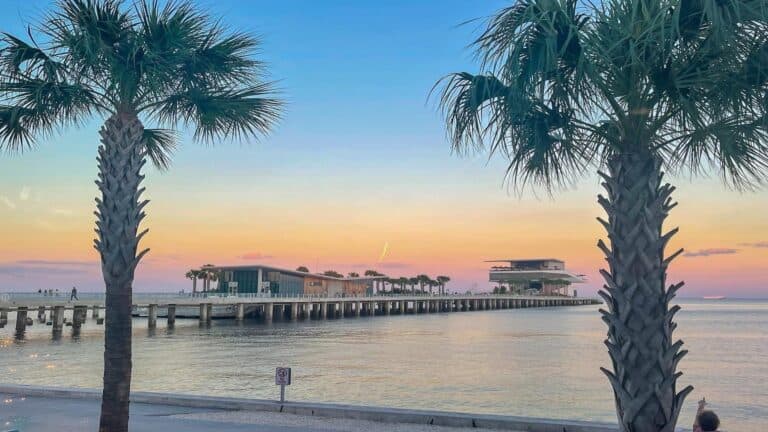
(73, 295)
(706, 420)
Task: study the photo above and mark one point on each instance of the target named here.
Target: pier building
(262, 279)
(543, 276)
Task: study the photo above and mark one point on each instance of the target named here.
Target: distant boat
(714, 297)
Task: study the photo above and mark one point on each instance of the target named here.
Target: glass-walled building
(546, 276)
(266, 280)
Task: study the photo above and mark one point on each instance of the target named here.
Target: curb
(377, 414)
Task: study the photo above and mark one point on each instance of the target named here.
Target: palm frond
(160, 145)
(222, 113)
(36, 107)
(19, 57)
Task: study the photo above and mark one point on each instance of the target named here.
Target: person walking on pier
(73, 295)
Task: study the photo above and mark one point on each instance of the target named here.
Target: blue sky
(359, 160)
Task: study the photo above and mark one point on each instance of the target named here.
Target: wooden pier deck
(51, 311)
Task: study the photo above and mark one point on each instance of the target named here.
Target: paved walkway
(43, 414)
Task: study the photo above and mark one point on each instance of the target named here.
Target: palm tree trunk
(121, 157)
(640, 321)
(194, 285)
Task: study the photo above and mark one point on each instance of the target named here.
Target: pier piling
(57, 318)
(171, 314)
(78, 316)
(152, 316)
(21, 319)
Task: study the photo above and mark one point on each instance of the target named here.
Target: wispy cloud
(42, 223)
(68, 263)
(255, 256)
(8, 203)
(710, 252)
(760, 244)
(61, 212)
(25, 193)
(393, 265)
(24, 268)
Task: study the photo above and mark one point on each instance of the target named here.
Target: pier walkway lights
(282, 378)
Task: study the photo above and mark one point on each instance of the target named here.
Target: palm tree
(442, 280)
(194, 275)
(133, 66)
(208, 274)
(302, 269)
(412, 282)
(333, 273)
(632, 87)
(402, 280)
(353, 275)
(422, 280)
(374, 273)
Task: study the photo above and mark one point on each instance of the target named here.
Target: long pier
(51, 311)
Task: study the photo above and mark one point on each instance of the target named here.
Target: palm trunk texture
(121, 158)
(639, 318)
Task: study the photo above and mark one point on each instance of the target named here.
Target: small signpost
(282, 378)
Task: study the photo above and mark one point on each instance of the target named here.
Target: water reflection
(518, 362)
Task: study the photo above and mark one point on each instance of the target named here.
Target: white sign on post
(282, 378)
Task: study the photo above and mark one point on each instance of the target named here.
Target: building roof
(255, 267)
(529, 260)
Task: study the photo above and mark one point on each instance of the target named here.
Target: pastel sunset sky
(359, 163)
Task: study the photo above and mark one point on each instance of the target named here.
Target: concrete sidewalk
(41, 414)
(34, 408)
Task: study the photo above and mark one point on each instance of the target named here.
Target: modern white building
(544, 276)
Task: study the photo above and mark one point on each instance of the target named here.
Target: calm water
(531, 362)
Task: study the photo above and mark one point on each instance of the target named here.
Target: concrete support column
(239, 312)
(358, 308)
(269, 311)
(209, 315)
(323, 310)
(21, 319)
(79, 316)
(76, 317)
(171, 314)
(57, 318)
(95, 312)
(402, 304)
(41, 314)
(372, 308)
(3, 317)
(387, 307)
(340, 309)
(203, 313)
(152, 316)
(294, 311)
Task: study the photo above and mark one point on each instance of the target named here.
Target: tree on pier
(442, 280)
(333, 273)
(632, 88)
(302, 269)
(145, 69)
(194, 275)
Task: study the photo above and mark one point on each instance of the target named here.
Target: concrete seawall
(340, 411)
